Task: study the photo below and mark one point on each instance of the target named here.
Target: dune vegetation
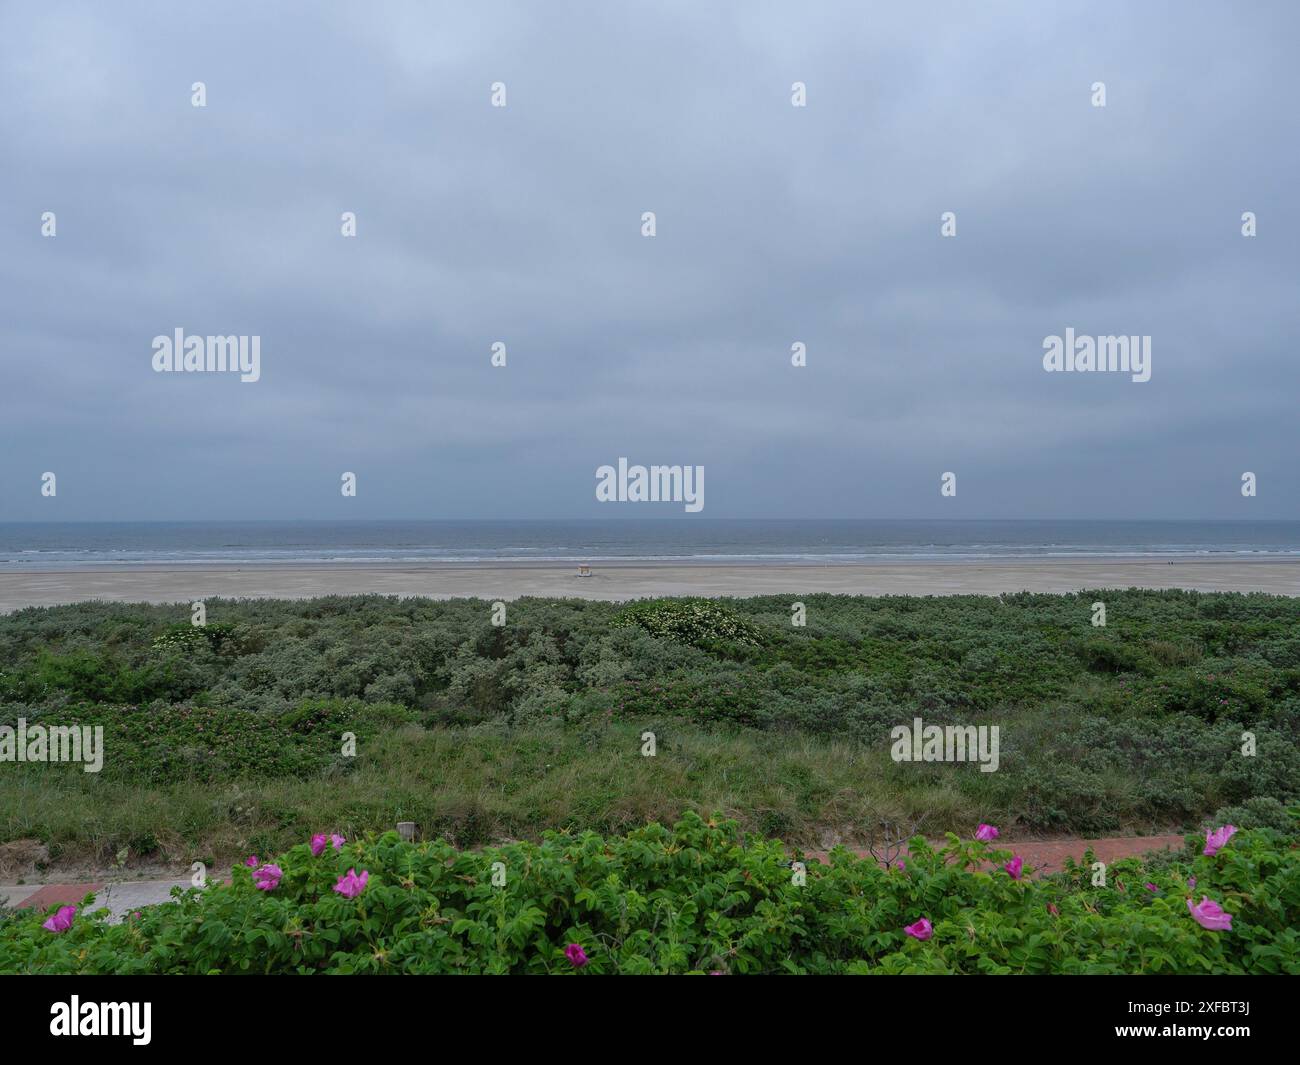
(361, 712)
(696, 898)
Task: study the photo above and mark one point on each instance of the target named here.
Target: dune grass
(475, 786)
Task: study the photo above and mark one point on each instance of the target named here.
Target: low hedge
(694, 898)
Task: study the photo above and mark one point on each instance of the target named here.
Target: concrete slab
(125, 898)
(14, 894)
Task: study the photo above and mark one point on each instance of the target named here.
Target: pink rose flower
(986, 833)
(1216, 839)
(351, 885)
(62, 920)
(338, 841)
(576, 955)
(1015, 866)
(251, 861)
(268, 877)
(921, 930)
(1209, 914)
(317, 844)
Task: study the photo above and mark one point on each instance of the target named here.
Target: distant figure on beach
(584, 570)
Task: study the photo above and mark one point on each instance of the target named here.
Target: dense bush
(160, 744)
(1213, 656)
(1103, 729)
(693, 899)
(183, 636)
(698, 622)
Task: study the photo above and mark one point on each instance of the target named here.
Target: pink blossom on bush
(62, 920)
(1216, 839)
(351, 885)
(1015, 867)
(986, 833)
(921, 930)
(268, 877)
(1209, 914)
(576, 955)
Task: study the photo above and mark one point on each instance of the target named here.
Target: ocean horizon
(61, 545)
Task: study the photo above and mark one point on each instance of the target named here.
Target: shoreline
(616, 581)
(8, 566)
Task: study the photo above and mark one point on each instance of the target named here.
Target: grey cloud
(776, 224)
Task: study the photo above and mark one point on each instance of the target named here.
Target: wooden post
(406, 829)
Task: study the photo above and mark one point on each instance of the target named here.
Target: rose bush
(695, 898)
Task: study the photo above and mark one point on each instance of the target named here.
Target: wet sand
(615, 581)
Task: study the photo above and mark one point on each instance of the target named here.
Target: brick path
(1042, 856)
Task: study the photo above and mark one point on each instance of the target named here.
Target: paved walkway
(120, 899)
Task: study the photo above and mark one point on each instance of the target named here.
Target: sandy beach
(614, 581)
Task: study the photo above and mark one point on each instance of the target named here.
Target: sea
(70, 545)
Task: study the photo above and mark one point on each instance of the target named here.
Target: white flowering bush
(692, 621)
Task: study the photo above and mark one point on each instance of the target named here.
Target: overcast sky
(775, 224)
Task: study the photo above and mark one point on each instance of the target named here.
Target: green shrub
(697, 622)
(160, 743)
(695, 898)
(1108, 655)
(1259, 812)
(1133, 727)
(218, 636)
